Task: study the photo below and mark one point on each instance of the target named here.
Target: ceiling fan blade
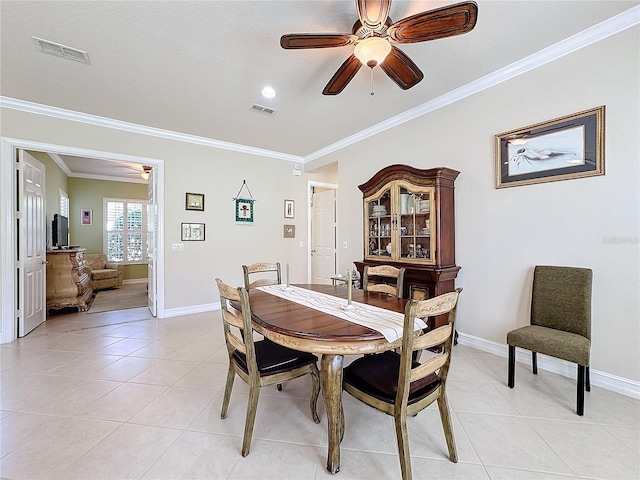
(401, 69)
(439, 23)
(373, 14)
(316, 40)
(342, 76)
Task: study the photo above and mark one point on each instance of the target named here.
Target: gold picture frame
(561, 149)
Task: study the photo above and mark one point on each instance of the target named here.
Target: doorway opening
(11, 264)
(322, 232)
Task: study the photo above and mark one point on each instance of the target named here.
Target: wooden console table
(68, 280)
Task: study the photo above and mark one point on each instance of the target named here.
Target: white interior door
(32, 244)
(152, 245)
(323, 236)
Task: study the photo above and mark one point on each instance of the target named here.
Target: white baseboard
(177, 312)
(605, 380)
(134, 280)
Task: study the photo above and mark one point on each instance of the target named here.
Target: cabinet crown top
(431, 176)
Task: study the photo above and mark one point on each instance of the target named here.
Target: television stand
(68, 280)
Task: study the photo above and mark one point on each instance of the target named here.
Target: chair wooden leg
(231, 375)
(581, 375)
(534, 362)
(341, 422)
(315, 393)
(588, 380)
(445, 417)
(403, 444)
(512, 366)
(252, 407)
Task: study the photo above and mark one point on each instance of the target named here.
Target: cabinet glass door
(416, 223)
(378, 224)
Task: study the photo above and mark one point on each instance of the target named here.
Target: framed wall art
(195, 201)
(244, 210)
(289, 209)
(86, 216)
(192, 232)
(561, 149)
(289, 231)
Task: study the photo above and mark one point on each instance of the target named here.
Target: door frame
(8, 244)
(330, 186)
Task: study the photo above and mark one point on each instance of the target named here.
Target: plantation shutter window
(125, 230)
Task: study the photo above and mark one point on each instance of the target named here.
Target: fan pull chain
(372, 94)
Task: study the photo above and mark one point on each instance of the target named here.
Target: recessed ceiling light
(268, 92)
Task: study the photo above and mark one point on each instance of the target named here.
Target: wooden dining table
(307, 329)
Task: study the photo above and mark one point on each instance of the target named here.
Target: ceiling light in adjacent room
(145, 172)
(268, 92)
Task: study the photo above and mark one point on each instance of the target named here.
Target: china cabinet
(409, 222)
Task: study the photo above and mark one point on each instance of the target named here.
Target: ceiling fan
(137, 170)
(374, 34)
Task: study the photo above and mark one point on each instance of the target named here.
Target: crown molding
(612, 26)
(64, 114)
(605, 29)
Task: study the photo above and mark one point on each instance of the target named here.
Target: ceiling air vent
(262, 109)
(62, 50)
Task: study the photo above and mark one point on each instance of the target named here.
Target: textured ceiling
(196, 67)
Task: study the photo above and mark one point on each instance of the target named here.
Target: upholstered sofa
(104, 274)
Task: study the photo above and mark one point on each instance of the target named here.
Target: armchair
(104, 274)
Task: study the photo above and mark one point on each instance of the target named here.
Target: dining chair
(258, 363)
(400, 386)
(560, 323)
(386, 279)
(259, 269)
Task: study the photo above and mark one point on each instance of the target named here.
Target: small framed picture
(192, 232)
(195, 201)
(289, 208)
(86, 216)
(244, 211)
(289, 231)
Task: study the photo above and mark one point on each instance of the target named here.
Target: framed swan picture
(560, 149)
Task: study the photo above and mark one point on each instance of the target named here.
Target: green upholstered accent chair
(258, 363)
(560, 322)
(398, 385)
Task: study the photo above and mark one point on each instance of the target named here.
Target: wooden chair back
(238, 321)
(386, 273)
(439, 340)
(260, 269)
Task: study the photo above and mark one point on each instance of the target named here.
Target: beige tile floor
(120, 395)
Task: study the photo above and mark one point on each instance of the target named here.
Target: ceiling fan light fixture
(372, 51)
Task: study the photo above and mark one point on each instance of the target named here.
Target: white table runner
(388, 323)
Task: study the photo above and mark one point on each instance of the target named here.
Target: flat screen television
(60, 231)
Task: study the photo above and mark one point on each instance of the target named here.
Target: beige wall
(501, 234)
(218, 174)
(87, 193)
